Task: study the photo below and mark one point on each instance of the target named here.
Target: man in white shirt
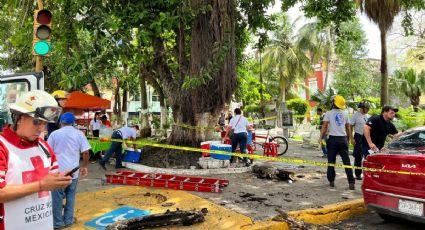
(358, 121)
(339, 133)
(68, 143)
(124, 133)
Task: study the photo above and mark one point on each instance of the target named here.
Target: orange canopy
(79, 100)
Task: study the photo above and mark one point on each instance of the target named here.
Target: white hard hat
(37, 104)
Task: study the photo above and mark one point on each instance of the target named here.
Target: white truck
(12, 86)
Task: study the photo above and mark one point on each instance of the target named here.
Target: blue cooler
(131, 156)
(249, 141)
(221, 147)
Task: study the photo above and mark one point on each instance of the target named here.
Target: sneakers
(351, 186)
(248, 162)
(332, 184)
(102, 165)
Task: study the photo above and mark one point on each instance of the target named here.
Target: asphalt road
(372, 221)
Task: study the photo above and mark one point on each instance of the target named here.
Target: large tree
(383, 14)
(193, 53)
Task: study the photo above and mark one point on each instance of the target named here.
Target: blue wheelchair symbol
(120, 214)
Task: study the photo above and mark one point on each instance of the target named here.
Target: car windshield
(410, 140)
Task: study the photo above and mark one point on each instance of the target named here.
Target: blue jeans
(64, 215)
(116, 147)
(241, 139)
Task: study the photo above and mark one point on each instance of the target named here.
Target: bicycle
(277, 145)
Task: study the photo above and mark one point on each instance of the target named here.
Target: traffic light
(42, 33)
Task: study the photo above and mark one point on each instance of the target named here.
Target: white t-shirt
(337, 120)
(359, 120)
(127, 132)
(96, 125)
(241, 126)
(67, 143)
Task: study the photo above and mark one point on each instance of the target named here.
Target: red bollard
(270, 149)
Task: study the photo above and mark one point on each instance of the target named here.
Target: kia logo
(408, 166)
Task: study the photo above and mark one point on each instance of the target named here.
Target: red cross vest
(34, 211)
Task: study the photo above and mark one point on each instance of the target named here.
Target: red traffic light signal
(42, 32)
(44, 17)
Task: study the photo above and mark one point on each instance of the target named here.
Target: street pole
(39, 59)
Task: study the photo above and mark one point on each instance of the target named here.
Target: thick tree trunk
(212, 53)
(384, 68)
(124, 100)
(95, 88)
(125, 90)
(117, 104)
(145, 130)
(212, 35)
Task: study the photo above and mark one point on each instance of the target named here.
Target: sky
(370, 28)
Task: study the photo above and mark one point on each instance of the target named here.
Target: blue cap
(67, 118)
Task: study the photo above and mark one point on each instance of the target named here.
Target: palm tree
(321, 42)
(411, 84)
(324, 99)
(285, 59)
(382, 12)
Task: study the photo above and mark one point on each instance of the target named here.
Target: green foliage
(407, 119)
(329, 11)
(324, 98)
(339, 11)
(299, 107)
(410, 83)
(249, 87)
(254, 108)
(354, 75)
(156, 122)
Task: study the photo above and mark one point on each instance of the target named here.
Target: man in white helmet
(28, 166)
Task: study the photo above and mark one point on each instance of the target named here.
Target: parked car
(397, 194)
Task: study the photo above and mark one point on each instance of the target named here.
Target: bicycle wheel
(282, 145)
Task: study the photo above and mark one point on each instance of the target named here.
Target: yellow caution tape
(194, 127)
(260, 157)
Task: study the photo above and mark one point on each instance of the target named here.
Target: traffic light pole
(39, 59)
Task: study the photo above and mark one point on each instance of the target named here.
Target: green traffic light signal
(42, 30)
(41, 47)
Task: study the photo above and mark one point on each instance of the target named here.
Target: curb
(193, 172)
(331, 213)
(267, 225)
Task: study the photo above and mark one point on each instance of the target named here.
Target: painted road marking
(123, 213)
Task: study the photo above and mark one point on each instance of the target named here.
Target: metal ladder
(157, 180)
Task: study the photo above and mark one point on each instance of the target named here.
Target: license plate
(411, 207)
